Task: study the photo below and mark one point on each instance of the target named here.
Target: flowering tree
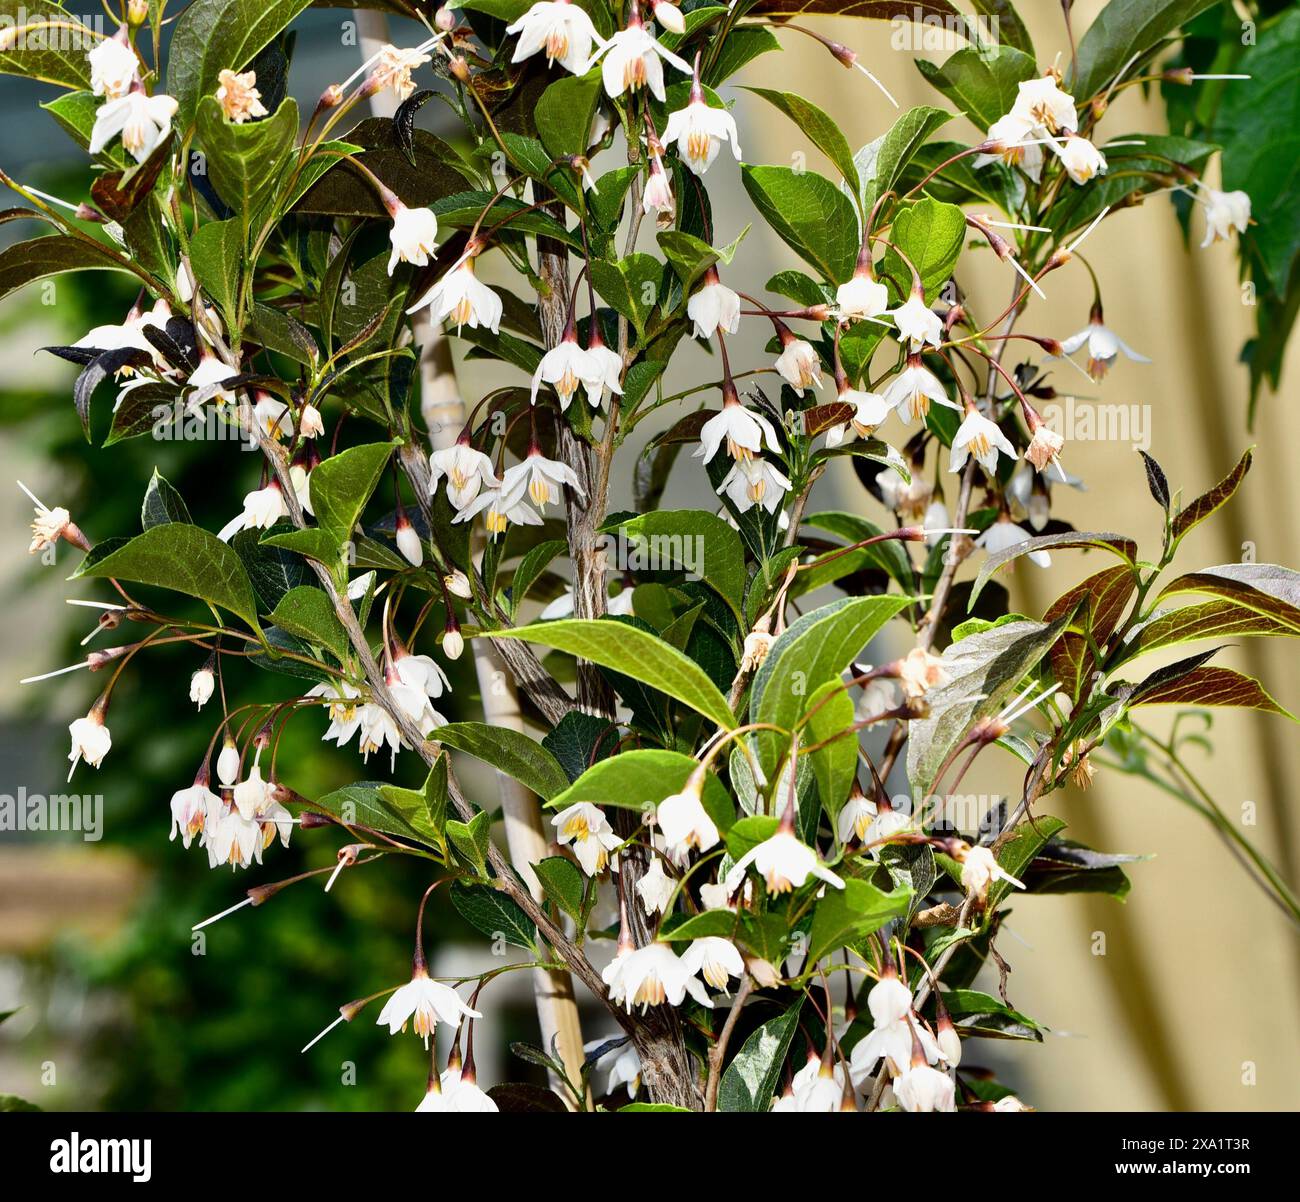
(707, 769)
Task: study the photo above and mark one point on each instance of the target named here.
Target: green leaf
(244, 161)
(982, 81)
(742, 45)
(563, 884)
(1017, 852)
(888, 556)
(750, 1079)
(1261, 153)
(984, 671)
(882, 162)
(930, 233)
(363, 804)
(818, 127)
(1137, 165)
(631, 286)
(652, 1108)
(1124, 30)
(472, 840)
(811, 214)
(815, 649)
(696, 540)
(835, 765)
(39, 258)
(218, 258)
(690, 257)
(565, 111)
(718, 923)
(212, 35)
(1209, 503)
(57, 57)
(508, 751)
(634, 652)
(341, 486)
(845, 916)
(531, 568)
(493, 913)
(186, 559)
(162, 504)
(977, 1014)
(640, 779)
(306, 611)
(1118, 544)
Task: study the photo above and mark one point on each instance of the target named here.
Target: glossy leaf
(509, 751)
(186, 559)
(750, 1079)
(627, 649)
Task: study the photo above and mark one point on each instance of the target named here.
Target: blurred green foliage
(218, 1030)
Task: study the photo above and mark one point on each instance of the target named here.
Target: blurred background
(1192, 1006)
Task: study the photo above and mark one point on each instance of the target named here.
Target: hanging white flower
(1081, 159)
(565, 367)
(1104, 345)
(462, 299)
(466, 469)
(784, 863)
(799, 366)
(699, 130)
(500, 511)
(144, 123)
(869, 411)
(189, 809)
(917, 323)
(414, 235)
(714, 306)
(861, 297)
(715, 959)
(1224, 212)
(1005, 533)
(424, 1003)
(656, 887)
(632, 60)
(561, 29)
(541, 478)
(913, 389)
(925, 1089)
(685, 823)
(585, 827)
(979, 869)
(980, 437)
(113, 67)
(753, 482)
(651, 976)
(743, 430)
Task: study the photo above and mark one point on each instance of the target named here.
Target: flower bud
(460, 68)
(137, 12)
(408, 542)
(444, 19)
(457, 584)
(670, 17)
(310, 424)
(453, 642)
(228, 763)
(202, 684)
